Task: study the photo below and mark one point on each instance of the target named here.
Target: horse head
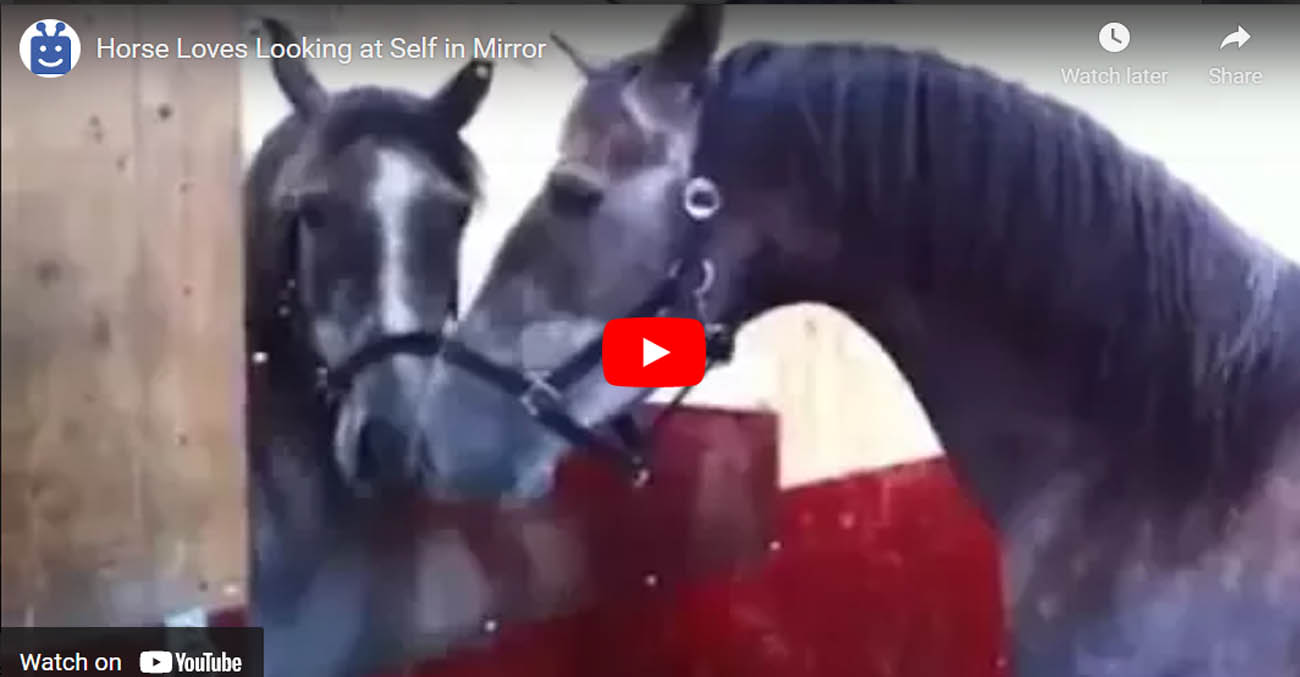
(618, 229)
(355, 206)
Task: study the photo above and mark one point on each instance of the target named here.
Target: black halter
(543, 396)
(332, 382)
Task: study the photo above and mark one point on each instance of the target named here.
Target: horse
(354, 207)
(1111, 365)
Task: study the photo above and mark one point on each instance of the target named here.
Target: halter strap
(543, 396)
(334, 381)
(417, 343)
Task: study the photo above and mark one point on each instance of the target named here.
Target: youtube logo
(155, 662)
(653, 352)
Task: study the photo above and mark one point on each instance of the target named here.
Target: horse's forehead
(396, 164)
(359, 169)
(595, 115)
(314, 168)
(609, 140)
(617, 127)
(361, 163)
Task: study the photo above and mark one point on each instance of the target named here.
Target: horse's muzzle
(378, 444)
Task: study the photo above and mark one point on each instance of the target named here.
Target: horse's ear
(579, 59)
(295, 79)
(688, 44)
(459, 99)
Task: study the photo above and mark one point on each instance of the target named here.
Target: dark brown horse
(354, 208)
(1112, 366)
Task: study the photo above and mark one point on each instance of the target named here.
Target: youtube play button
(653, 352)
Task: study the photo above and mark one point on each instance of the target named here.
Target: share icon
(1237, 37)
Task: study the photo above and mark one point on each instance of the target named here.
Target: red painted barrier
(891, 573)
(711, 570)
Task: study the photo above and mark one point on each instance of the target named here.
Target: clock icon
(1113, 37)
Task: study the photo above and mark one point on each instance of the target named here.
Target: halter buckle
(719, 342)
(540, 395)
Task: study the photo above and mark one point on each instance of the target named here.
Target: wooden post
(123, 464)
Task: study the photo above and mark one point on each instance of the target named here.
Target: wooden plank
(123, 470)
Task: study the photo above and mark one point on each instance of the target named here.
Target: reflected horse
(1112, 366)
(354, 209)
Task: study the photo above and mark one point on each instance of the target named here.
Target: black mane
(1172, 328)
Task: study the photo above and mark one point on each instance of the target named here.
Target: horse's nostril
(380, 450)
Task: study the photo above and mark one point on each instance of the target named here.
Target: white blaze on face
(395, 185)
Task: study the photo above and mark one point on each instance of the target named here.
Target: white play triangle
(651, 352)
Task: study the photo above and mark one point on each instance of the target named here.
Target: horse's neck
(1003, 423)
(1113, 331)
(1087, 557)
(1015, 424)
(294, 498)
(1114, 374)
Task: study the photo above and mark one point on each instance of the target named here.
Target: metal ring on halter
(697, 187)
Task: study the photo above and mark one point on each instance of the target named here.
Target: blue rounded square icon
(50, 48)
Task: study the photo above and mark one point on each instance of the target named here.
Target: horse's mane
(1175, 327)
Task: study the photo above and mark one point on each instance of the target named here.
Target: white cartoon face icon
(50, 48)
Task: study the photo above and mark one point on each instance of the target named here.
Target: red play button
(653, 352)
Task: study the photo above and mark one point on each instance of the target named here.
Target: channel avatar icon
(50, 48)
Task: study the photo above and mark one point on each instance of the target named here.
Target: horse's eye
(573, 194)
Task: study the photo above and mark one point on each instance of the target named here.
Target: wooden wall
(843, 405)
(123, 471)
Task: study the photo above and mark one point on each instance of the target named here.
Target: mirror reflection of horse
(355, 204)
(1112, 366)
